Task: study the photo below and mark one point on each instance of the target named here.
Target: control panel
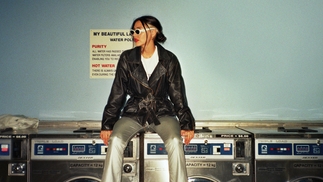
(305, 149)
(76, 149)
(193, 149)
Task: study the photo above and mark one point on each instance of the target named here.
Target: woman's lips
(136, 40)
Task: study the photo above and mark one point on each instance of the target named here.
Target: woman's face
(143, 36)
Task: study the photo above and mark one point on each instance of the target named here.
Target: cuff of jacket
(106, 127)
(186, 119)
(187, 123)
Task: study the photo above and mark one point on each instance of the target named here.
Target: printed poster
(106, 45)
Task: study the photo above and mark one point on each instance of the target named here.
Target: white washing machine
(219, 155)
(64, 156)
(288, 154)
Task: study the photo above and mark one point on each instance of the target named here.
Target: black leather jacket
(163, 95)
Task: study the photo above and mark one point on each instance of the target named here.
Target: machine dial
(239, 168)
(127, 168)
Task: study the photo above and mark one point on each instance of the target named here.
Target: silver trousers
(126, 128)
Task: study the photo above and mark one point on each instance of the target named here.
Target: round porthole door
(201, 179)
(91, 179)
(308, 179)
(83, 179)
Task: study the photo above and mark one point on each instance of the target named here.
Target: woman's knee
(174, 142)
(117, 143)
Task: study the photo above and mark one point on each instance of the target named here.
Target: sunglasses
(139, 31)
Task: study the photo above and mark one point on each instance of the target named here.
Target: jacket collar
(139, 71)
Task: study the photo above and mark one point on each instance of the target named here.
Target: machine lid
(300, 130)
(56, 132)
(86, 130)
(203, 130)
(2, 130)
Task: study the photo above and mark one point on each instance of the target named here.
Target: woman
(151, 76)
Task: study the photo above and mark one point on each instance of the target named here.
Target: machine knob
(318, 142)
(239, 168)
(93, 142)
(127, 168)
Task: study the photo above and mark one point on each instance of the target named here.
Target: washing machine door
(201, 179)
(308, 179)
(83, 179)
(91, 179)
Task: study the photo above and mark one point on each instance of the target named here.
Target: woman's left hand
(188, 135)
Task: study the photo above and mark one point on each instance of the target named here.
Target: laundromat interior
(253, 78)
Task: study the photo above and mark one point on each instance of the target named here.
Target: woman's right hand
(105, 135)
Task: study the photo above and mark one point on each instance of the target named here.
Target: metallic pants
(126, 128)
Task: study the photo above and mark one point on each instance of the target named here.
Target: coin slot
(240, 149)
(104, 149)
(216, 150)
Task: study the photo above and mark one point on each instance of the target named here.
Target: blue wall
(241, 60)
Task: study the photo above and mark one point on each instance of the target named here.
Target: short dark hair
(150, 20)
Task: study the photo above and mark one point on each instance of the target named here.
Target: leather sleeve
(177, 95)
(117, 97)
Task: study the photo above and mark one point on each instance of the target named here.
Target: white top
(150, 63)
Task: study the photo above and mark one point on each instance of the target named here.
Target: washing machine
(69, 156)
(14, 155)
(288, 154)
(217, 155)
